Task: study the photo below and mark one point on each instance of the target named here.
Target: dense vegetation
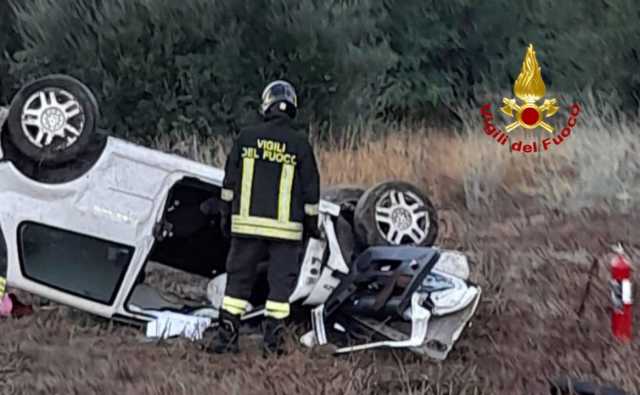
(162, 65)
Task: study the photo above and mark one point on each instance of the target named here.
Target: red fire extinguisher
(621, 318)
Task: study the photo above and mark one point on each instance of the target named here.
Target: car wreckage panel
(118, 200)
(81, 236)
(399, 297)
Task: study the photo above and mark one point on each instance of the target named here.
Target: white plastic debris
(169, 324)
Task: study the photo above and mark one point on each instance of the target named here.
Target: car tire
(52, 120)
(395, 213)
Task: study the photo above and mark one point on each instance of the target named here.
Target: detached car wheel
(395, 213)
(52, 119)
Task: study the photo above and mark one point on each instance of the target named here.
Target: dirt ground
(532, 265)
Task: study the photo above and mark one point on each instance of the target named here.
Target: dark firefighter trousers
(283, 268)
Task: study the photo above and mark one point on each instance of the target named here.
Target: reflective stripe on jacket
(271, 176)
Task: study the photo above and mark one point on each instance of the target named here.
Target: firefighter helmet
(281, 93)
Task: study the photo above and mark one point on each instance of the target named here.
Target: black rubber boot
(273, 334)
(226, 340)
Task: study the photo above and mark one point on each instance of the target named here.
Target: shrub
(160, 66)
(9, 43)
(163, 65)
(452, 52)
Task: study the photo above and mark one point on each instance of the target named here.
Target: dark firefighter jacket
(271, 176)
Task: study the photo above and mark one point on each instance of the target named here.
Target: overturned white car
(82, 213)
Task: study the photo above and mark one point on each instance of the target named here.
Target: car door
(83, 243)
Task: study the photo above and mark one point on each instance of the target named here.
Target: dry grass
(519, 219)
(527, 329)
(597, 165)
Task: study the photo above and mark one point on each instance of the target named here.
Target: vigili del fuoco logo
(525, 113)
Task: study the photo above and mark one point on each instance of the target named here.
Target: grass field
(532, 224)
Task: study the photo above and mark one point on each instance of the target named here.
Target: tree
(160, 65)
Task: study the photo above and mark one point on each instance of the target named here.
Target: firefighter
(271, 189)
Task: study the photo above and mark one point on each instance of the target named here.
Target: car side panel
(119, 199)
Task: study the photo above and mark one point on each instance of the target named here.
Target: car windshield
(78, 264)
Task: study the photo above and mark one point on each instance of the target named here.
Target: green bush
(163, 65)
(158, 65)
(454, 51)
(9, 43)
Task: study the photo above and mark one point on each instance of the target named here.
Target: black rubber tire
(49, 155)
(55, 173)
(365, 226)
